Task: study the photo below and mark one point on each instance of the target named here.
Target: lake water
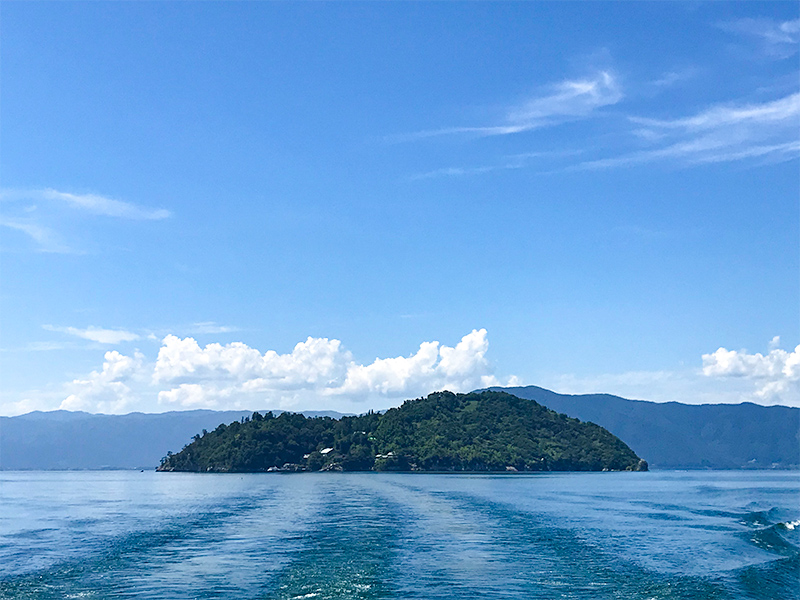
(648, 536)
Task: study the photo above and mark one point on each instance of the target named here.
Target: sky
(340, 206)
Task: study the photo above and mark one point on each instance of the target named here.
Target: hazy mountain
(666, 435)
(685, 436)
(78, 440)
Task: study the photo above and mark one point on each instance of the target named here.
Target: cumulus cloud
(108, 390)
(775, 375)
(195, 395)
(432, 367)
(564, 101)
(216, 375)
(726, 377)
(318, 373)
(98, 334)
(315, 362)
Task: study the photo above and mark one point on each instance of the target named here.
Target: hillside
(489, 431)
(671, 435)
(668, 435)
(78, 440)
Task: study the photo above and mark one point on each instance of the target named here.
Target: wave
(771, 539)
(791, 525)
(773, 580)
(759, 518)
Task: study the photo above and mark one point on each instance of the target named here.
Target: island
(444, 432)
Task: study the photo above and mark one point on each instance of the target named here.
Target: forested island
(488, 431)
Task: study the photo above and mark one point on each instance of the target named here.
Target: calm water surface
(648, 536)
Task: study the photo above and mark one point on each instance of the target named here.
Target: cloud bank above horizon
(318, 373)
(776, 375)
(321, 374)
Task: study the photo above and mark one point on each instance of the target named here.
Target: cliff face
(489, 431)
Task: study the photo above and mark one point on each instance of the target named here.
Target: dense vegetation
(489, 431)
(670, 435)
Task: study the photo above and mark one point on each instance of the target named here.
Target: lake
(657, 535)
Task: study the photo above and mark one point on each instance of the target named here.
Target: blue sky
(343, 205)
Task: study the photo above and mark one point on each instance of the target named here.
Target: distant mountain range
(77, 440)
(671, 435)
(667, 435)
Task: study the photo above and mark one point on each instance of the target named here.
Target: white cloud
(432, 367)
(775, 343)
(780, 39)
(36, 221)
(563, 101)
(726, 377)
(740, 131)
(688, 386)
(315, 369)
(577, 98)
(92, 203)
(44, 237)
(108, 390)
(97, 334)
(317, 361)
(195, 395)
(210, 327)
(670, 78)
(318, 373)
(718, 134)
(517, 161)
(775, 375)
(100, 205)
(778, 111)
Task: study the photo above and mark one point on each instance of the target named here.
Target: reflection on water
(699, 535)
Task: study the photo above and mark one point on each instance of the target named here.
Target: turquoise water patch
(592, 536)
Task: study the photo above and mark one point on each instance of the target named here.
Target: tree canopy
(488, 431)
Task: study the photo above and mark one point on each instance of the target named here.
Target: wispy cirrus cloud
(36, 214)
(564, 101)
(779, 39)
(44, 237)
(766, 131)
(210, 327)
(518, 161)
(91, 203)
(722, 133)
(759, 132)
(671, 78)
(97, 334)
(775, 112)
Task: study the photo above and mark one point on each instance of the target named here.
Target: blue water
(648, 536)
